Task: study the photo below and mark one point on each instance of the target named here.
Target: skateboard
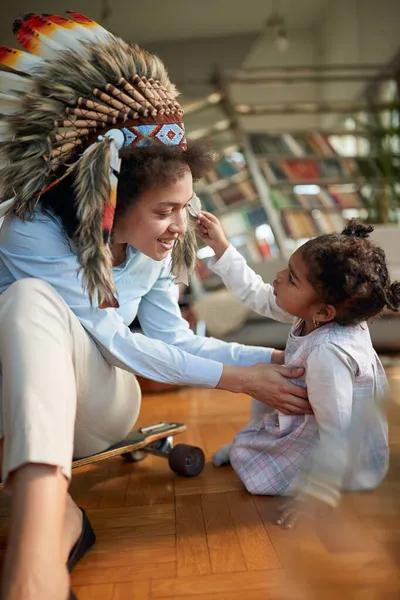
(184, 460)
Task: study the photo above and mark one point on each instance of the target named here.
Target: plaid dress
(280, 453)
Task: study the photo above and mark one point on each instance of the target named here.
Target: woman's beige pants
(60, 397)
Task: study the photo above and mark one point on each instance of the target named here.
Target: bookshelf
(272, 190)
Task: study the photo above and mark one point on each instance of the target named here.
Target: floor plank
(192, 548)
(131, 573)
(140, 590)
(223, 543)
(95, 592)
(217, 583)
(254, 541)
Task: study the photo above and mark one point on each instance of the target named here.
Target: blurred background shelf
(274, 188)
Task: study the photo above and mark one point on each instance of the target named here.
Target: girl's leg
(45, 367)
(257, 412)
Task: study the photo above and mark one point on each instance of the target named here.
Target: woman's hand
(268, 384)
(210, 231)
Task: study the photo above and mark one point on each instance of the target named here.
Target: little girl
(332, 286)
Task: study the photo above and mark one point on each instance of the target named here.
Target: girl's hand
(210, 231)
(304, 507)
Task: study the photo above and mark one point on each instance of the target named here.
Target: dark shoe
(83, 545)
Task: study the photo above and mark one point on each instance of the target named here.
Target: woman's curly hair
(141, 169)
(350, 273)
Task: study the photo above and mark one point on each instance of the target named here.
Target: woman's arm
(38, 249)
(160, 317)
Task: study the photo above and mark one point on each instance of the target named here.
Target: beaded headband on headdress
(80, 95)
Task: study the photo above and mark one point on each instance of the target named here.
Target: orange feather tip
(9, 56)
(107, 221)
(18, 60)
(110, 303)
(81, 19)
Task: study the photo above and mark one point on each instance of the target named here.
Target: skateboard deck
(184, 460)
(137, 439)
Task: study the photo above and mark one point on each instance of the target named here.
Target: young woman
(80, 258)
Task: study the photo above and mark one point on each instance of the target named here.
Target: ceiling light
(277, 24)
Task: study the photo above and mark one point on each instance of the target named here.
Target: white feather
(45, 47)
(9, 105)
(25, 62)
(88, 33)
(11, 82)
(194, 206)
(68, 36)
(4, 132)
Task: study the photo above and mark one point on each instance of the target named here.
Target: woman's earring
(315, 322)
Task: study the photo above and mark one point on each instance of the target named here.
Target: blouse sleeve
(160, 317)
(247, 286)
(38, 249)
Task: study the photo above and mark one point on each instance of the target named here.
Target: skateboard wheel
(187, 461)
(135, 456)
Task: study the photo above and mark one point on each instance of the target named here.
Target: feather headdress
(68, 105)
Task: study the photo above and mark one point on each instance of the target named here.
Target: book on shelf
(268, 144)
(309, 170)
(300, 225)
(314, 159)
(345, 198)
(224, 169)
(298, 145)
(302, 170)
(321, 145)
(255, 216)
(272, 170)
(238, 192)
(326, 199)
(333, 168)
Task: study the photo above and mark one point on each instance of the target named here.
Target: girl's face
(294, 293)
(158, 218)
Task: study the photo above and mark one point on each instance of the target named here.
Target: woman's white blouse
(167, 351)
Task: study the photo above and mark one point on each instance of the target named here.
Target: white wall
(359, 32)
(303, 50)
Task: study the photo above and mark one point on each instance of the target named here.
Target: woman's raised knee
(27, 297)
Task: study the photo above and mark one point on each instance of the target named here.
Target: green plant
(382, 129)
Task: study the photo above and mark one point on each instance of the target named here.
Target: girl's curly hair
(350, 272)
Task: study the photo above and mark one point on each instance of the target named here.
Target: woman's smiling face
(157, 219)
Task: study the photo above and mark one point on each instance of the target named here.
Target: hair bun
(357, 228)
(394, 294)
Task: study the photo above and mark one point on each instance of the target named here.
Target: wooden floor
(163, 537)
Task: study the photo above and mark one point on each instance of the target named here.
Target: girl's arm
(247, 286)
(330, 374)
(237, 276)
